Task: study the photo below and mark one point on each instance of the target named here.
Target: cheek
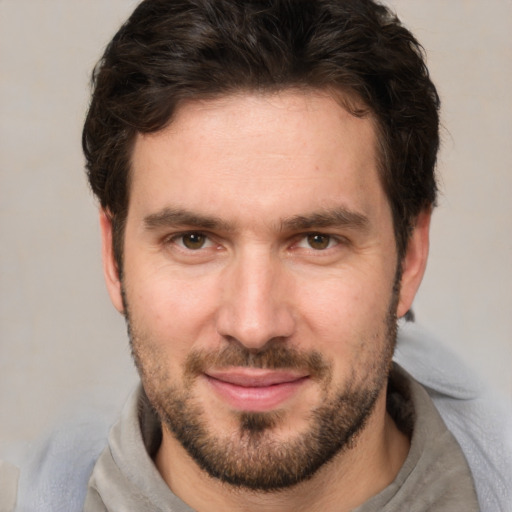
(346, 313)
(171, 314)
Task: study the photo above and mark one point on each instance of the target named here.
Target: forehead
(248, 152)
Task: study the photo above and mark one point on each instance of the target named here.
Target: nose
(256, 305)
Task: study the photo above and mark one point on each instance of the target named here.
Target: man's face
(259, 281)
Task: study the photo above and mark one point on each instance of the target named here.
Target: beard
(254, 457)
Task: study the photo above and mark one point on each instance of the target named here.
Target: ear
(110, 270)
(414, 262)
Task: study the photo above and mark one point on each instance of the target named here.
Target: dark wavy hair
(174, 50)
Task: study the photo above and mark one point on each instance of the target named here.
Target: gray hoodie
(435, 476)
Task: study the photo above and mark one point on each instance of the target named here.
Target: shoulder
(481, 423)
(55, 470)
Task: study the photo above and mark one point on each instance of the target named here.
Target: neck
(356, 474)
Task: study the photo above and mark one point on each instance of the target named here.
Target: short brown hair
(171, 51)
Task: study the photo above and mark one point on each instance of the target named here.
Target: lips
(254, 389)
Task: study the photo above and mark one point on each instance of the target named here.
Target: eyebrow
(329, 218)
(179, 217)
(337, 217)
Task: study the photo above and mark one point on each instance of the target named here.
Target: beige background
(61, 342)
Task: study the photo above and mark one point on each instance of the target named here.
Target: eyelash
(177, 239)
(332, 241)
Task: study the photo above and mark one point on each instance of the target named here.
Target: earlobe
(110, 269)
(414, 262)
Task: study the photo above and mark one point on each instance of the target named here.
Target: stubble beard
(254, 457)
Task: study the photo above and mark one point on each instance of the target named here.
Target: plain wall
(61, 340)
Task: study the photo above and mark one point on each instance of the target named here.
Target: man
(266, 176)
(265, 172)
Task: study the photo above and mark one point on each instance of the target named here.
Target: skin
(260, 166)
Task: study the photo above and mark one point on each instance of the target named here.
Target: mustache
(276, 356)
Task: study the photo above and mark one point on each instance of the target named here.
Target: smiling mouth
(253, 389)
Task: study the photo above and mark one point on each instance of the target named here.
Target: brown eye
(318, 241)
(193, 241)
